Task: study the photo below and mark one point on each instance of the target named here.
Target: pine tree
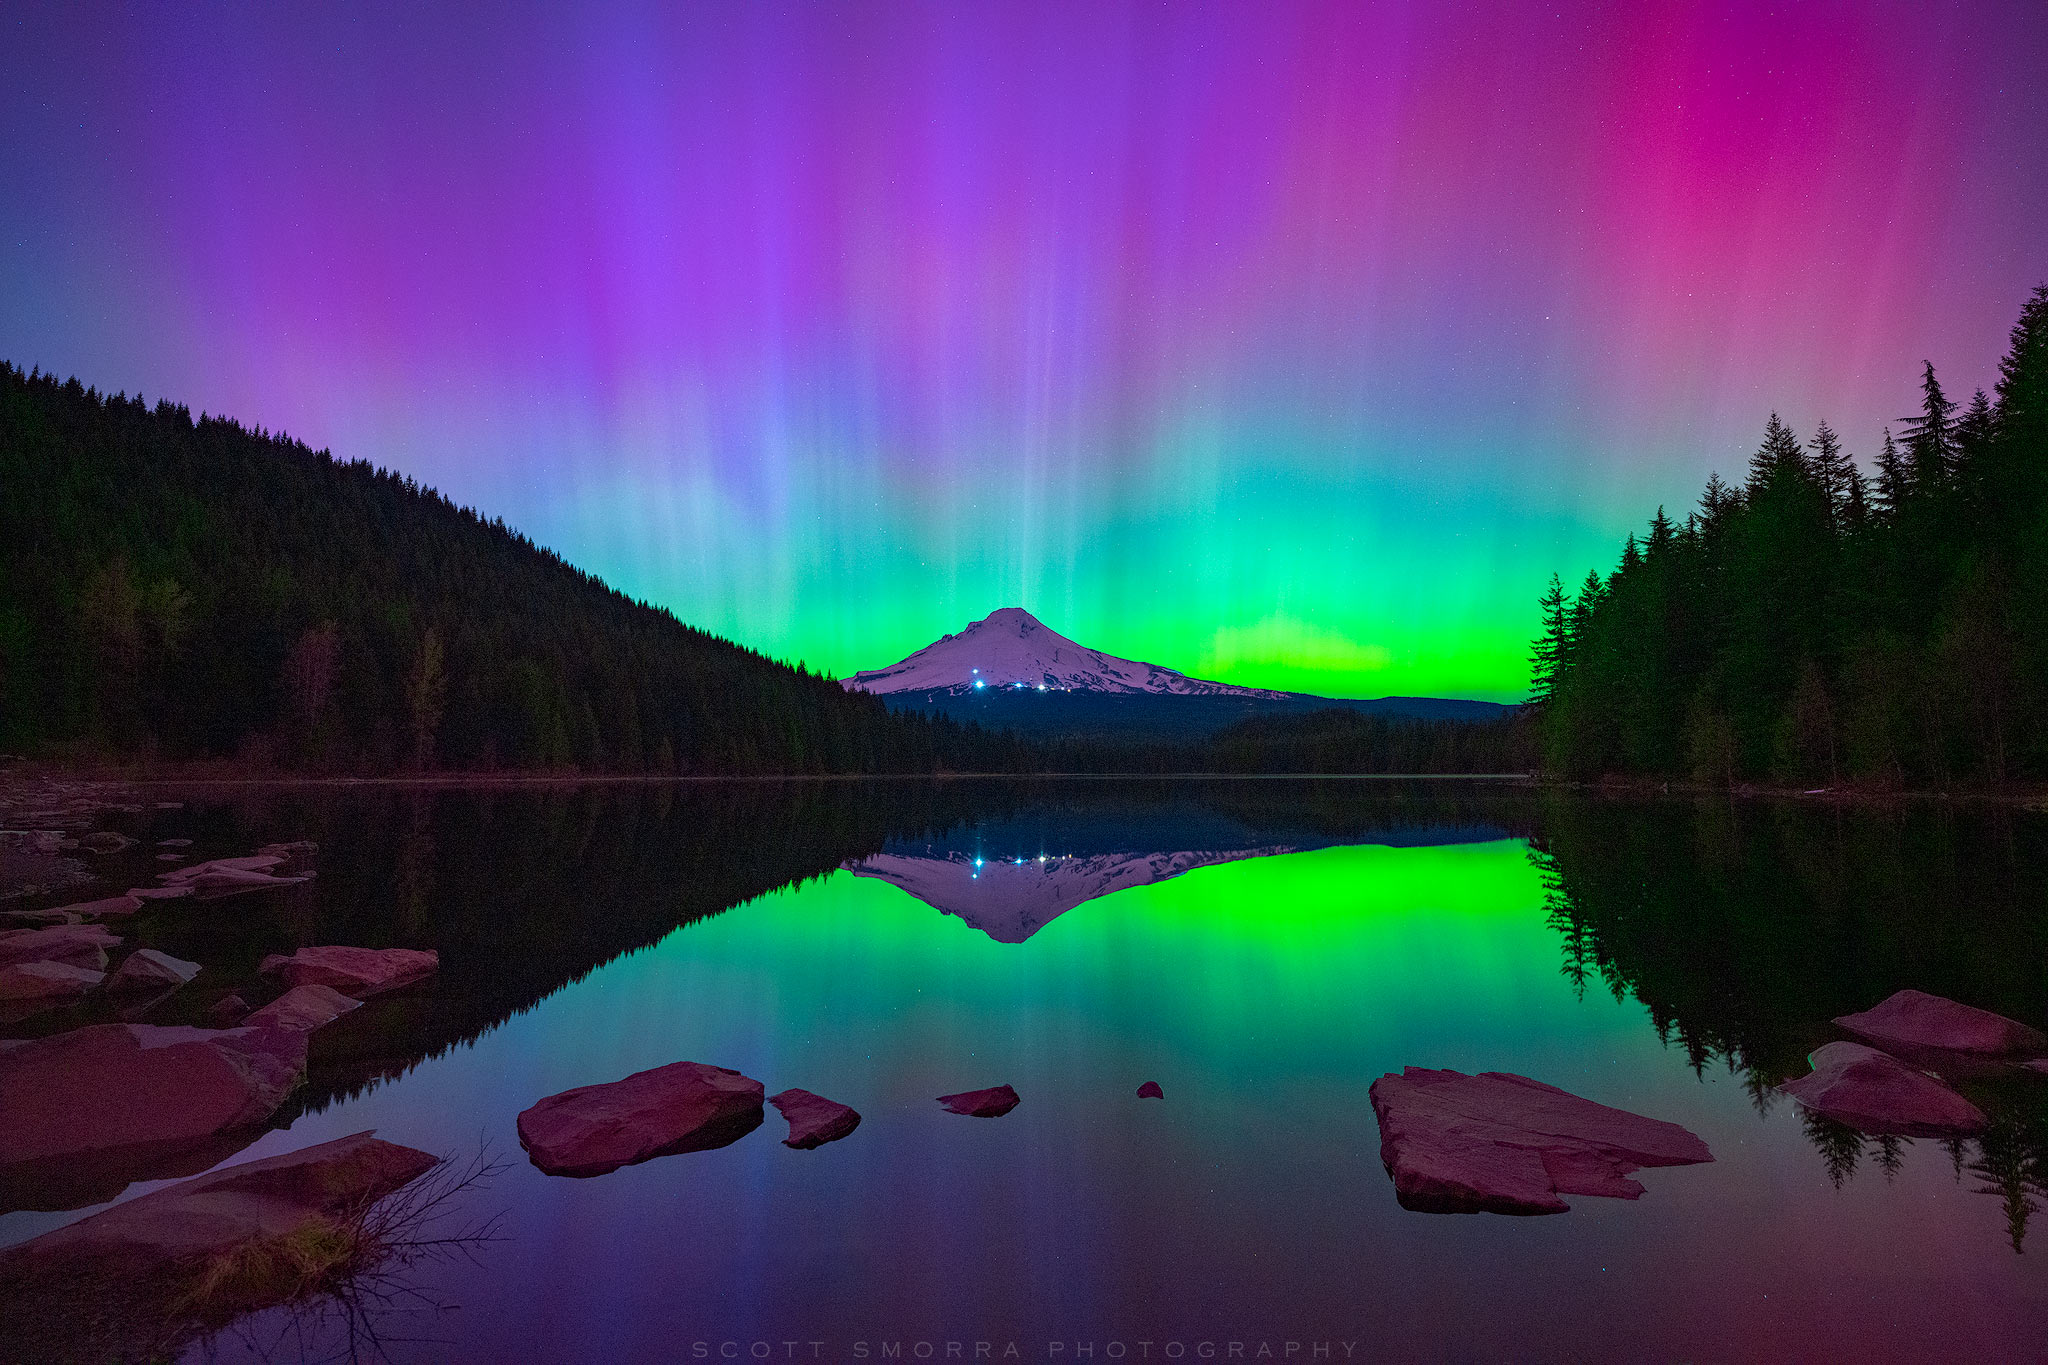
(1551, 651)
(1894, 481)
(1778, 457)
(2023, 385)
(1931, 436)
(1833, 468)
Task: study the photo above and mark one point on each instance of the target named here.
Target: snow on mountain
(1012, 648)
(1010, 899)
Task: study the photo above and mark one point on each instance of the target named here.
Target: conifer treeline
(1817, 625)
(197, 590)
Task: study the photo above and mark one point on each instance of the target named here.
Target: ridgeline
(1817, 626)
(188, 591)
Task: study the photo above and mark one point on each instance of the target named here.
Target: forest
(1818, 624)
(175, 589)
(180, 591)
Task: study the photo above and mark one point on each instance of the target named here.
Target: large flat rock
(813, 1119)
(359, 972)
(682, 1107)
(1501, 1143)
(1915, 1019)
(146, 969)
(84, 1113)
(131, 1282)
(1876, 1093)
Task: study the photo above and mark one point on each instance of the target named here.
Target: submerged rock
(85, 1112)
(302, 1009)
(1150, 1091)
(1916, 1019)
(813, 1119)
(1875, 1093)
(134, 1281)
(105, 841)
(146, 969)
(360, 972)
(982, 1104)
(119, 906)
(77, 945)
(1501, 1143)
(159, 893)
(682, 1107)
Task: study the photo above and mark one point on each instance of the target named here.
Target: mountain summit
(1012, 649)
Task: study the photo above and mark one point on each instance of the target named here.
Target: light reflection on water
(1264, 990)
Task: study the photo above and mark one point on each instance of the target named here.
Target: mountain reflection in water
(1265, 949)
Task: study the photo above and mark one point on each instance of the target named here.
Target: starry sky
(1293, 345)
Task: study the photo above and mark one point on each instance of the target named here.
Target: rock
(231, 876)
(174, 843)
(170, 857)
(682, 1107)
(1150, 1091)
(83, 1113)
(137, 1280)
(146, 969)
(105, 841)
(303, 1009)
(79, 945)
(1501, 1143)
(1916, 1019)
(42, 917)
(298, 856)
(360, 972)
(255, 862)
(227, 1011)
(112, 906)
(158, 893)
(45, 983)
(982, 1104)
(1875, 1093)
(813, 1119)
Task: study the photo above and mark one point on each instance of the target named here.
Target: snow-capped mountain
(1010, 899)
(1011, 648)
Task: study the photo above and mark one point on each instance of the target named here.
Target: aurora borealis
(1289, 345)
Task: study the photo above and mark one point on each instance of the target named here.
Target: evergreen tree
(1894, 481)
(1931, 436)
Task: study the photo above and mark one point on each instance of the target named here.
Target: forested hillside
(195, 590)
(1816, 624)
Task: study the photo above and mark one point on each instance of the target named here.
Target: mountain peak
(1010, 648)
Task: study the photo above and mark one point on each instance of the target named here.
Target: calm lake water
(1263, 950)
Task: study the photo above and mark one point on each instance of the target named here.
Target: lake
(1264, 950)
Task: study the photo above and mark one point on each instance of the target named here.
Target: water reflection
(1744, 929)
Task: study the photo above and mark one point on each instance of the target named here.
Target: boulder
(227, 1011)
(77, 945)
(1501, 1143)
(45, 983)
(42, 917)
(260, 863)
(1150, 1091)
(1915, 1019)
(102, 909)
(94, 1108)
(682, 1107)
(158, 893)
(302, 1009)
(146, 969)
(1875, 1093)
(360, 972)
(813, 1119)
(982, 1104)
(138, 1280)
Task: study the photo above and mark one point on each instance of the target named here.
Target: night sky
(1288, 345)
